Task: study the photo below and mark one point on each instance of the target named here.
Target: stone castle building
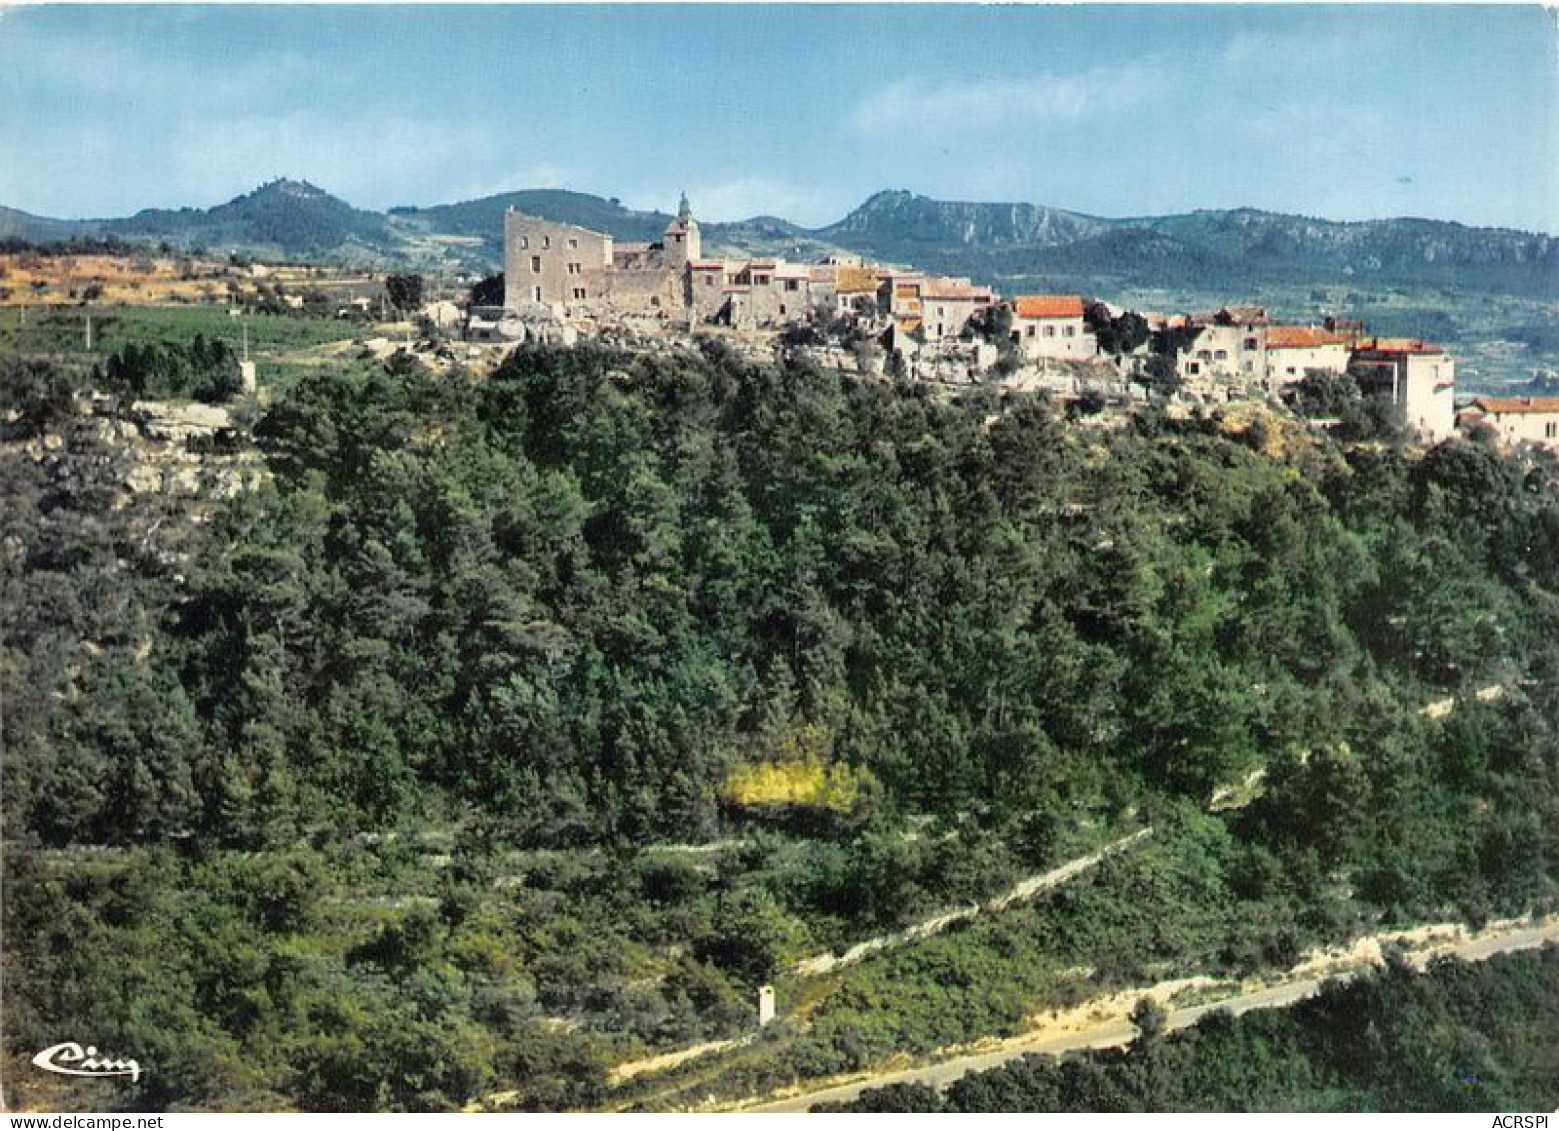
(566, 269)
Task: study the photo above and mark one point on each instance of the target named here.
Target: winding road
(1116, 1032)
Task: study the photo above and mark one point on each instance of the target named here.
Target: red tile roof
(955, 290)
(1504, 406)
(1302, 338)
(1396, 345)
(856, 280)
(1048, 306)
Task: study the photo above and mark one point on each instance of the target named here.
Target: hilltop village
(846, 312)
(562, 280)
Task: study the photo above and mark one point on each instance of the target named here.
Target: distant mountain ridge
(1244, 244)
(903, 217)
(1001, 243)
(282, 218)
(295, 216)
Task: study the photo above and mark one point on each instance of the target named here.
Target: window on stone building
(792, 285)
(546, 242)
(1050, 331)
(1250, 343)
(524, 241)
(572, 242)
(1194, 368)
(575, 269)
(1071, 331)
(709, 280)
(579, 293)
(1222, 355)
(535, 265)
(1550, 431)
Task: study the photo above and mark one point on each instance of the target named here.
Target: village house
(1229, 346)
(904, 303)
(1516, 420)
(1051, 326)
(758, 292)
(855, 289)
(1418, 376)
(947, 305)
(898, 292)
(709, 286)
(1218, 353)
(1294, 352)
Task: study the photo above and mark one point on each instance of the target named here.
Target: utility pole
(248, 379)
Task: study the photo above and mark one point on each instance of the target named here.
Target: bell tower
(683, 241)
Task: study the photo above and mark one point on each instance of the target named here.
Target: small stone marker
(765, 1005)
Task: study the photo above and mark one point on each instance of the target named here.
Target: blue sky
(1346, 112)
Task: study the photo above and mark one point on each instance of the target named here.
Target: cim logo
(70, 1059)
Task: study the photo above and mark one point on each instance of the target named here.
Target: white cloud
(99, 67)
(1040, 100)
(1313, 49)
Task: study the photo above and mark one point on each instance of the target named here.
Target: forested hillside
(294, 218)
(372, 786)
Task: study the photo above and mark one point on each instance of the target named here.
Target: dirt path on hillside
(1021, 891)
(1103, 1023)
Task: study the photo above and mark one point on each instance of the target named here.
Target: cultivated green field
(62, 329)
